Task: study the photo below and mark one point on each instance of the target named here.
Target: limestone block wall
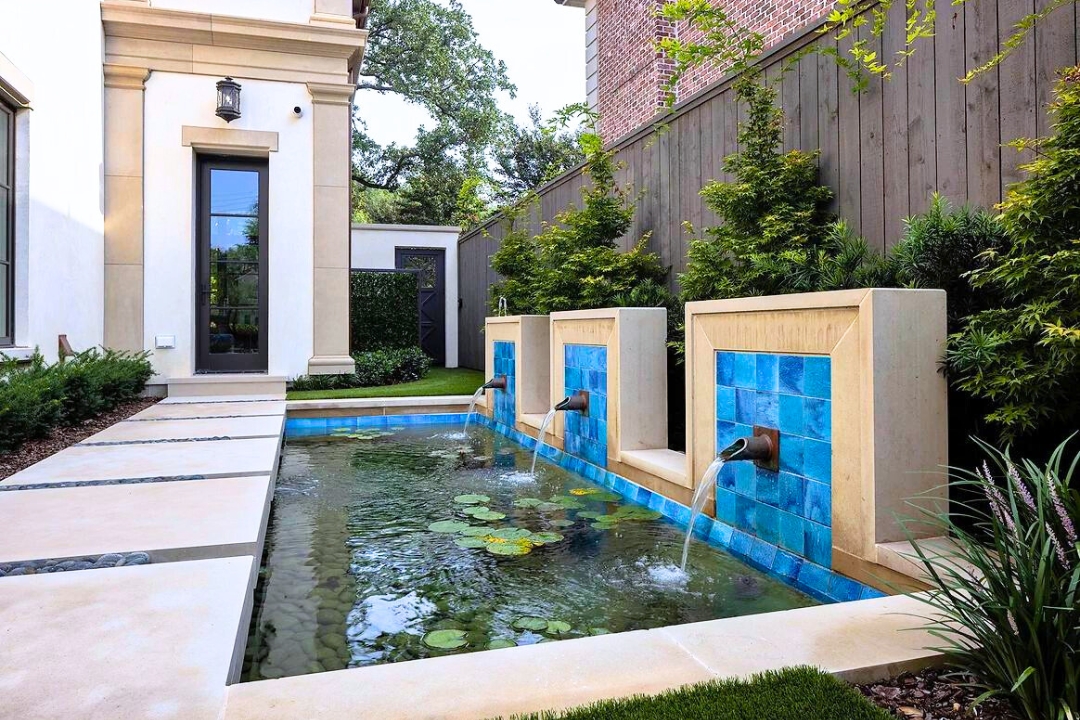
(517, 346)
(850, 379)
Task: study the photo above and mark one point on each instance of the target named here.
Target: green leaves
(445, 639)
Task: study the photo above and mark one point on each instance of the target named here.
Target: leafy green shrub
(516, 262)
(383, 310)
(1014, 622)
(36, 397)
(576, 263)
(1022, 355)
(373, 369)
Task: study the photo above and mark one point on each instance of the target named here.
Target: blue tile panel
(506, 364)
(792, 508)
(585, 434)
(819, 582)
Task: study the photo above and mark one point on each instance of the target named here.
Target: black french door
(430, 265)
(231, 303)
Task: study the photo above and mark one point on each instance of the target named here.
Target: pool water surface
(402, 543)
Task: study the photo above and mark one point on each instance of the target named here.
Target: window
(7, 226)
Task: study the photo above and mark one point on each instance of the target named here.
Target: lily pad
(510, 533)
(488, 515)
(590, 514)
(562, 523)
(606, 496)
(557, 627)
(474, 531)
(500, 643)
(474, 509)
(509, 548)
(604, 526)
(567, 502)
(445, 639)
(636, 512)
(549, 507)
(528, 502)
(448, 526)
(585, 491)
(599, 631)
(472, 499)
(545, 538)
(470, 542)
(536, 624)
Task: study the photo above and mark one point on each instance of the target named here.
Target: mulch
(933, 695)
(62, 437)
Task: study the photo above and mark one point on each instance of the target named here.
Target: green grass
(439, 381)
(801, 693)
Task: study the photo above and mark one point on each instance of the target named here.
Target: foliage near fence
(383, 310)
(36, 397)
(374, 368)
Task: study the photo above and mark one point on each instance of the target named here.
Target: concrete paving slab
(209, 428)
(179, 411)
(183, 400)
(171, 521)
(151, 641)
(92, 463)
(859, 640)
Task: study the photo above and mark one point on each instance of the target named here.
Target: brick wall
(631, 75)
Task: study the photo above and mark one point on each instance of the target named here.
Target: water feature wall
(505, 410)
(586, 433)
(619, 356)
(790, 507)
(517, 347)
(850, 379)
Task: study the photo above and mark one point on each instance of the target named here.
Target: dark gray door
(430, 264)
(232, 265)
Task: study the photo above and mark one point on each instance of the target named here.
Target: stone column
(331, 115)
(125, 88)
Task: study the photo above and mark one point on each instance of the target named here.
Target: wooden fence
(883, 151)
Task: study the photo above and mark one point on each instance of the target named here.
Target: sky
(543, 46)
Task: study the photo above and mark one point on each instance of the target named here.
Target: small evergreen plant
(1022, 356)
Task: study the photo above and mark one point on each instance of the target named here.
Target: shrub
(516, 263)
(1014, 622)
(373, 369)
(35, 397)
(1022, 356)
(383, 310)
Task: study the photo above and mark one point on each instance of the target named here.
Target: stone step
(230, 384)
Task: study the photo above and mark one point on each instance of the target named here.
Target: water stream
(698, 504)
(472, 407)
(540, 438)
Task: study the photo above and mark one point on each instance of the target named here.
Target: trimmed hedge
(383, 310)
(35, 397)
(373, 369)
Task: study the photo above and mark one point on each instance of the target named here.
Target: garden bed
(930, 695)
(34, 451)
(438, 381)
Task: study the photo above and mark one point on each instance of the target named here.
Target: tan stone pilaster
(331, 127)
(125, 88)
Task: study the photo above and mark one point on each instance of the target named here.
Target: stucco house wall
(374, 248)
(59, 214)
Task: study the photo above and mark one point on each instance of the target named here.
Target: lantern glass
(228, 99)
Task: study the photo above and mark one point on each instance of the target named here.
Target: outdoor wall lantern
(228, 99)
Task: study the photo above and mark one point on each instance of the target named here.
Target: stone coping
(859, 641)
(386, 402)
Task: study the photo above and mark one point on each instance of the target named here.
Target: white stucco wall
(175, 100)
(373, 247)
(298, 11)
(59, 185)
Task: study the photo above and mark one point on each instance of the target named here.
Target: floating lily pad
(590, 514)
(536, 624)
(567, 502)
(549, 507)
(528, 502)
(470, 542)
(557, 627)
(606, 496)
(472, 499)
(562, 523)
(474, 531)
(599, 631)
(488, 515)
(500, 643)
(604, 526)
(448, 526)
(473, 509)
(585, 491)
(445, 639)
(510, 533)
(509, 548)
(546, 538)
(636, 512)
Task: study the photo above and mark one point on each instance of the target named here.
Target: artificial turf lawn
(801, 693)
(439, 381)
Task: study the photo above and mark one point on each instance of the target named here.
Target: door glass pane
(234, 331)
(234, 192)
(234, 238)
(234, 284)
(4, 225)
(426, 264)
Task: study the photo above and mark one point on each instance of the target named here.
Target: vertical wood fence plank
(894, 116)
(951, 106)
(829, 124)
(1018, 103)
(983, 130)
(921, 124)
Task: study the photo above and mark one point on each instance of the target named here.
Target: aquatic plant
(445, 639)
(472, 499)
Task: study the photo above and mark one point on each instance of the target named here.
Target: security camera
(298, 111)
